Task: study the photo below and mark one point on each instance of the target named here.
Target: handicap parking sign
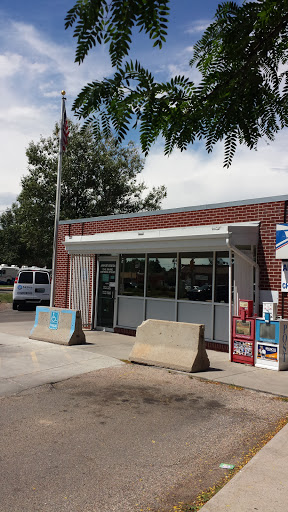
(54, 320)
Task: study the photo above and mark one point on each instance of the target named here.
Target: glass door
(106, 292)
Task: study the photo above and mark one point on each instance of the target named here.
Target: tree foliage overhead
(102, 21)
(99, 177)
(242, 57)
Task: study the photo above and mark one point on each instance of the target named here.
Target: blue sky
(37, 62)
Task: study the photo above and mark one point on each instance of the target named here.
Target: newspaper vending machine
(243, 334)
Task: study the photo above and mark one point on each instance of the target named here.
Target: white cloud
(33, 71)
(198, 26)
(183, 68)
(10, 63)
(193, 177)
(60, 60)
(189, 49)
(16, 112)
(13, 63)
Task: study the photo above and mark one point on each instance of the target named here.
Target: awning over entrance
(199, 238)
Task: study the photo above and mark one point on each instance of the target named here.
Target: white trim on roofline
(208, 237)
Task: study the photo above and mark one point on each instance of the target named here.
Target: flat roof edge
(179, 210)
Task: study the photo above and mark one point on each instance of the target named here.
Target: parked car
(8, 274)
(203, 292)
(32, 286)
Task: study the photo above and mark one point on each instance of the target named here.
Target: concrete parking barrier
(57, 325)
(175, 345)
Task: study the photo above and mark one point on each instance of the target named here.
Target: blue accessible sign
(54, 320)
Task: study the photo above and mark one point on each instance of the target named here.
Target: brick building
(187, 264)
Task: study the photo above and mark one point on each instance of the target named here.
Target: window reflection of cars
(188, 287)
(203, 292)
(130, 286)
(222, 294)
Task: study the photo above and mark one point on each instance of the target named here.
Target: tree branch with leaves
(242, 58)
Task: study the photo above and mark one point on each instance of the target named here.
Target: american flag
(65, 131)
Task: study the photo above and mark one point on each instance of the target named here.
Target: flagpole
(57, 203)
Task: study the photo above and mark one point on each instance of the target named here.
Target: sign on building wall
(284, 276)
(282, 241)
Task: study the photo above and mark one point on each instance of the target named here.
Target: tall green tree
(12, 248)
(242, 56)
(99, 177)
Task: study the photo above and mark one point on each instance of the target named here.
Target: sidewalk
(108, 349)
(246, 376)
(26, 364)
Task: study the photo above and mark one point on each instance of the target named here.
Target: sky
(37, 63)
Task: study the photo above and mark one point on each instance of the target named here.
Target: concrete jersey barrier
(57, 325)
(175, 345)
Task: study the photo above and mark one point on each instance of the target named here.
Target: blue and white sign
(282, 241)
(284, 276)
(54, 320)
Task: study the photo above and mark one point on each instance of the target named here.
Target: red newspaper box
(243, 334)
(247, 307)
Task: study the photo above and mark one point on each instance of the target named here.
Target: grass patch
(204, 497)
(6, 297)
(234, 386)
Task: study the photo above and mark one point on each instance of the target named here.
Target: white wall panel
(221, 322)
(160, 309)
(197, 313)
(130, 311)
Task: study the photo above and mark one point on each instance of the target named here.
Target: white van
(32, 286)
(8, 274)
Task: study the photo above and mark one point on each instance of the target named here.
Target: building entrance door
(106, 293)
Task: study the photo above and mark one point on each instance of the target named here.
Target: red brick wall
(269, 214)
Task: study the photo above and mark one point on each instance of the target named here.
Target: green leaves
(239, 59)
(132, 97)
(99, 22)
(242, 57)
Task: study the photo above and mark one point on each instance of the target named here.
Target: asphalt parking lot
(126, 438)
(19, 323)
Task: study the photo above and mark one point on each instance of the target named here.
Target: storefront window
(222, 277)
(132, 269)
(161, 277)
(195, 276)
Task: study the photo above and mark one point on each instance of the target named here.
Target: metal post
(57, 203)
